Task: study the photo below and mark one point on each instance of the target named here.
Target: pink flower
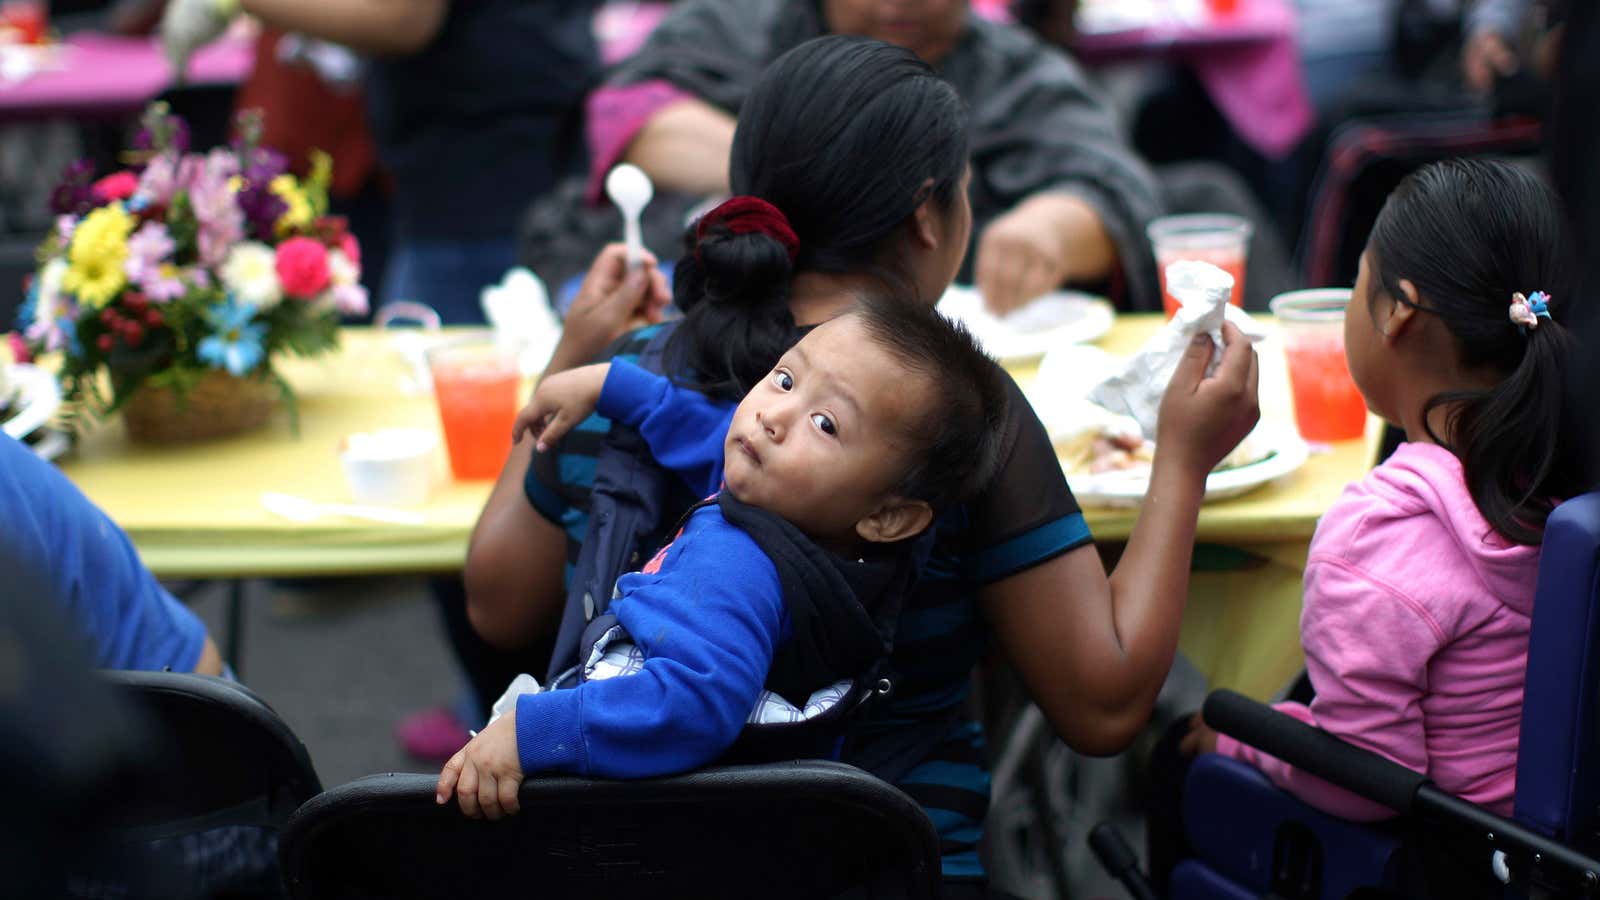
(302, 267)
(19, 348)
(160, 179)
(220, 219)
(116, 186)
(350, 299)
(351, 248)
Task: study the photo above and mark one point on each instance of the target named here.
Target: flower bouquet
(168, 287)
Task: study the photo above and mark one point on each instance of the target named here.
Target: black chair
(227, 759)
(806, 829)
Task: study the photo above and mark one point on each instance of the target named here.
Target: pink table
(107, 76)
(1247, 61)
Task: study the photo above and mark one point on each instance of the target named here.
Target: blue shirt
(52, 533)
(707, 612)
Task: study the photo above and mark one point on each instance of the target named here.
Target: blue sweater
(708, 613)
(51, 532)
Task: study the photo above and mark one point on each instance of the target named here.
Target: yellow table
(195, 511)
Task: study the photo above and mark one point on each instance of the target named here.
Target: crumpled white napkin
(1202, 289)
(524, 323)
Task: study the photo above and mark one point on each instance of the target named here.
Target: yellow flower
(95, 259)
(298, 216)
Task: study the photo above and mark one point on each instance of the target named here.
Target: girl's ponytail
(733, 287)
(1511, 438)
(1470, 235)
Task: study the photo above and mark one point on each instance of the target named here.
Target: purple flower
(176, 136)
(263, 165)
(74, 195)
(262, 209)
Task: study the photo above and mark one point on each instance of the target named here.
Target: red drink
(27, 17)
(1223, 7)
(476, 388)
(1228, 259)
(1222, 240)
(1327, 405)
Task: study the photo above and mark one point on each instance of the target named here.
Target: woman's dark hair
(846, 136)
(1468, 234)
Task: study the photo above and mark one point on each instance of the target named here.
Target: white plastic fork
(299, 509)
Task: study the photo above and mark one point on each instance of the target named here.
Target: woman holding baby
(866, 166)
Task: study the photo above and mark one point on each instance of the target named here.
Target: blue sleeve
(709, 623)
(684, 428)
(95, 576)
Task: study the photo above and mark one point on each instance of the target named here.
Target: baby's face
(826, 436)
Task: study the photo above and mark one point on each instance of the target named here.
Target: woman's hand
(611, 302)
(559, 402)
(1486, 56)
(1204, 418)
(1037, 246)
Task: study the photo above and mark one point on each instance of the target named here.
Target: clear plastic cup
(1222, 240)
(475, 383)
(1327, 405)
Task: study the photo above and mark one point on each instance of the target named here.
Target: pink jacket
(1415, 628)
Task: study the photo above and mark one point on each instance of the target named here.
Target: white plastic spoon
(630, 189)
(299, 509)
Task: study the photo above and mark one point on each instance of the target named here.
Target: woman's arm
(378, 27)
(685, 147)
(1094, 651)
(515, 558)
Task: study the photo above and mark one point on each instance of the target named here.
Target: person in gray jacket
(1058, 196)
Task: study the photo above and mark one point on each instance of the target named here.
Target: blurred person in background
(476, 108)
(1058, 196)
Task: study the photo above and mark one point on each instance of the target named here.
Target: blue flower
(69, 332)
(235, 344)
(29, 308)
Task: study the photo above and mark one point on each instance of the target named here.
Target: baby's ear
(897, 519)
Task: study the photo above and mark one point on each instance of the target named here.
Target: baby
(865, 430)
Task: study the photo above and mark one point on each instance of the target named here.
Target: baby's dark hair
(1468, 234)
(959, 435)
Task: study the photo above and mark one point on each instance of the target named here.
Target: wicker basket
(218, 404)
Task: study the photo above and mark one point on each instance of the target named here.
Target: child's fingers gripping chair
(1251, 839)
(807, 829)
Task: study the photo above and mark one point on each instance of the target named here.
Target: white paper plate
(1286, 453)
(1061, 317)
(40, 397)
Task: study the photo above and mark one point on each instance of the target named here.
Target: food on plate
(1106, 447)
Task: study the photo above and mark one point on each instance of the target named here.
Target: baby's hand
(559, 402)
(486, 773)
(1200, 739)
(1203, 419)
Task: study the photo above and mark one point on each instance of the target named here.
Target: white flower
(341, 271)
(251, 273)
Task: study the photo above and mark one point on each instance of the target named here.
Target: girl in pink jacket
(1420, 580)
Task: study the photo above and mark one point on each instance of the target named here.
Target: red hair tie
(748, 215)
